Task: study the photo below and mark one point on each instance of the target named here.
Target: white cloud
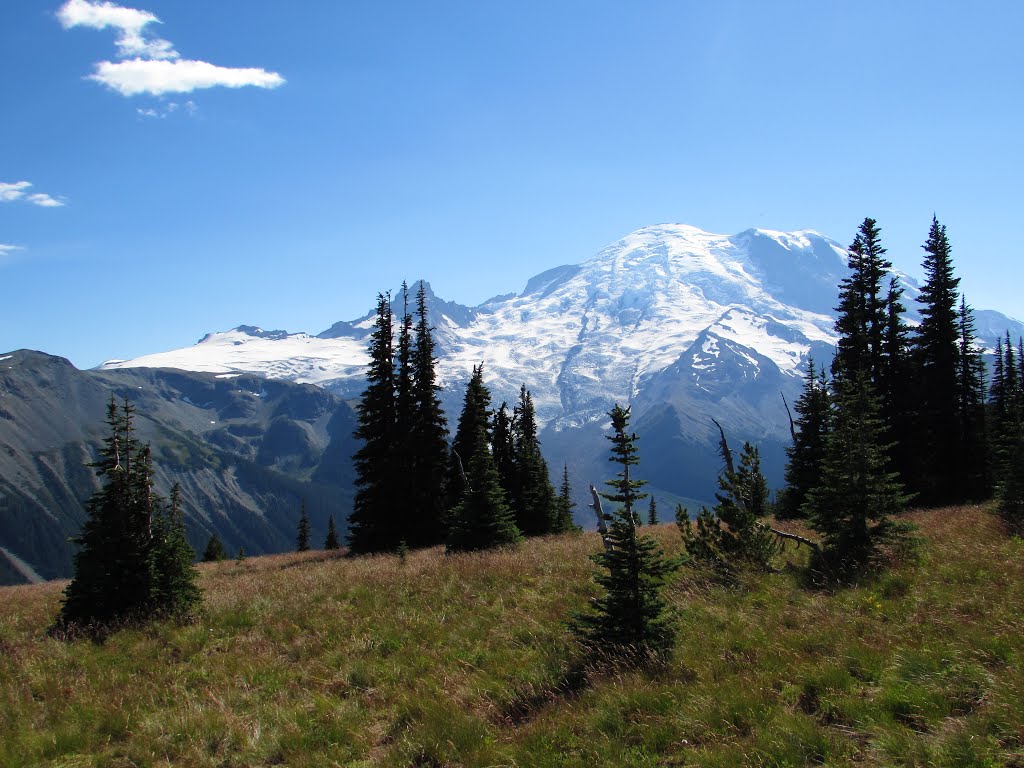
(44, 200)
(157, 77)
(151, 65)
(130, 22)
(13, 191)
(16, 191)
(7, 250)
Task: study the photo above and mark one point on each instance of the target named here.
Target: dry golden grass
(316, 659)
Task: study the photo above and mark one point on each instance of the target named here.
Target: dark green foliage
(482, 519)
(427, 438)
(214, 551)
(862, 311)
(134, 562)
(302, 534)
(732, 534)
(652, 512)
(1006, 404)
(972, 469)
(504, 452)
(896, 387)
(174, 591)
(534, 498)
(1011, 489)
(564, 504)
(473, 421)
(853, 506)
(370, 529)
(331, 542)
(631, 618)
(240, 557)
(936, 348)
(803, 468)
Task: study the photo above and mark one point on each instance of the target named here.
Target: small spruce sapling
(631, 619)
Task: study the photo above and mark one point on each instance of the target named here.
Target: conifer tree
(936, 390)
(473, 420)
(853, 505)
(862, 311)
(331, 542)
(174, 591)
(1011, 489)
(563, 520)
(214, 551)
(370, 527)
(504, 451)
(652, 512)
(803, 468)
(896, 387)
(427, 437)
(534, 503)
(631, 618)
(302, 534)
(134, 562)
(973, 477)
(732, 534)
(482, 519)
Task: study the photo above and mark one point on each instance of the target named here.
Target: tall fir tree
(631, 619)
(863, 311)
(652, 512)
(134, 562)
(972, 469)
(371, 528)
(895, 387)
(936, 391)
(503, 449)
(427, 437)
(474, 419)
(482, 519)
(331, 541)
(804, 455)
(302, 532)
(534, 503)
(853, 505)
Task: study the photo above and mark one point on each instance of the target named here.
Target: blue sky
(194, 166)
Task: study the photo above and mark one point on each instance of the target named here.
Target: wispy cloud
(160, 112)
(7, 251)
(11, 191)
(154, 66)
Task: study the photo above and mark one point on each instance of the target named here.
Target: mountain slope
(245, 449)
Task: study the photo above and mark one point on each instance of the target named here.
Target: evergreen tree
(427, 437)
(134, 562)
(803, 468)
(302, 534)
(504, 452)
(857, 496)
(631, 618)
(1011, 489)
(563, 520)
(331, 542)
(482, 519)
(214, 551)
(936, 389)
(863, 311)
(652, 513)
(972, 469)
(370, 527)
(896, 387)
(732, 534)
(174, 591)
(534, 502)
(473, 421)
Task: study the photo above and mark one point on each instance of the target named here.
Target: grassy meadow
(317, 660)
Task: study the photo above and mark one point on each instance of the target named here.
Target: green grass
(315, 660)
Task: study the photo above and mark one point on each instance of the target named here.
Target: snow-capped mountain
(681, 323)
